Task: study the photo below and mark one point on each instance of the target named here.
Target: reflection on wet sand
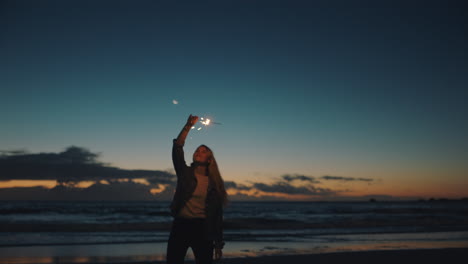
(155, 252)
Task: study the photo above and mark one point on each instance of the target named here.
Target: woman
(197, 206)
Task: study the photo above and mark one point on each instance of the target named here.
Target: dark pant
(187, 233)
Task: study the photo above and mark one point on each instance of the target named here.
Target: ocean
(249, 227)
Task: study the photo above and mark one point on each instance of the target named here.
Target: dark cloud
(75, 164)
(307, 185)
(297, 177)
(234, 185)
(12, 152)
(341, 178)
(283, 186)
(286, 188)
(115, 191)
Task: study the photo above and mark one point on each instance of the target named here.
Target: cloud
(341, 178)
(297, 177)
(115, 191)
(105, 182)
(286, 188)
(75, 164)
(234, 185)
(290, 186)
(247, 197)
(12, 152)
(282, 187)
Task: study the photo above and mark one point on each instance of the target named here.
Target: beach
(137, 232)
(330, 249)
(427, 256)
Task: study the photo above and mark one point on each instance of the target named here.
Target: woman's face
(202, 154)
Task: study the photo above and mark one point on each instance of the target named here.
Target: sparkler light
(205, 122)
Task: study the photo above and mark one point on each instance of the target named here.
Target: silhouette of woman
(197, 206)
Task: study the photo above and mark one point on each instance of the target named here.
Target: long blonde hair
(214, 174)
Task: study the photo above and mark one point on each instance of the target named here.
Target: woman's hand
(185, 130)
(192, 120)
(218, 253)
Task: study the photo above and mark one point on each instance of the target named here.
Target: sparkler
(205, 122)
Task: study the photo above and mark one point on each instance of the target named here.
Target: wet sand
(405, 256)
(439, 247)
(424, 256)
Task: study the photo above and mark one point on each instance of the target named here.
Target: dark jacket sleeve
(178, 158)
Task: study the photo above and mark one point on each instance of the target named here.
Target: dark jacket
(186, 183)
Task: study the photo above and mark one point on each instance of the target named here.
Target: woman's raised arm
(184, 132)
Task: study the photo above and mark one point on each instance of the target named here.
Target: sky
(328, 92)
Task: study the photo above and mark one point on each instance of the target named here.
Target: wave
(148, 216)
